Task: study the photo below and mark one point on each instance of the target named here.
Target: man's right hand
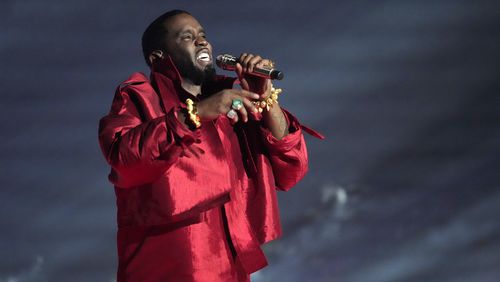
(220, 103)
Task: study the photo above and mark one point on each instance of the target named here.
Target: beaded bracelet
(270, 101)
(192, 112)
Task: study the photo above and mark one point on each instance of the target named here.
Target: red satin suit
(192, 205)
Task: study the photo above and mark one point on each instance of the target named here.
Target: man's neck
(190, 87)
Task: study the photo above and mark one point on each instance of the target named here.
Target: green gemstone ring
(237, 104)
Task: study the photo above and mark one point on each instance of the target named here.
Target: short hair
(154, 35)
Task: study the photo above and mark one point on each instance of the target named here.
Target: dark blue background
(404, 188)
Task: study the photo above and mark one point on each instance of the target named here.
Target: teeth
(203, 56)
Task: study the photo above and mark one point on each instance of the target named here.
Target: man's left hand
(253, 83)
(273, 119)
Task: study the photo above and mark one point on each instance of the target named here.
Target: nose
(201, 41)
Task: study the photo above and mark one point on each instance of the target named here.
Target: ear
(156, 54)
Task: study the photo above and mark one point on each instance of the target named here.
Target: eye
(187, 37)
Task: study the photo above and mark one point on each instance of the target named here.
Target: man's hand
(274, 119)
(247, 62)
(220, 103)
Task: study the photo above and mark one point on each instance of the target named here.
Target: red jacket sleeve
(138, 139)
(288, 156)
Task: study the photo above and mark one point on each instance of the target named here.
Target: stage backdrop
(404, 188)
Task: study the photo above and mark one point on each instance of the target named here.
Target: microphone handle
(268, 73)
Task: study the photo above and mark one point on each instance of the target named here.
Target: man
(194, 163)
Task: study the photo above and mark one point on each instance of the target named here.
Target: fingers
(243, 60)
(246, 94)
(242, 112)
(267, 90)
(251, 109)
(241, 78)
(246, 108)
(249, 61)
(236, 113)
(239, 71)
(234, 118)
(249, 80)
(252, 62)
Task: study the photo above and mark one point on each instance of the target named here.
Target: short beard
(189, 71)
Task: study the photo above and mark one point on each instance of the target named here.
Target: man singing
(196, 163)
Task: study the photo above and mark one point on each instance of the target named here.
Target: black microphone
(228, 62)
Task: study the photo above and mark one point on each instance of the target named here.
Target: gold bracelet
(270, 101)
(192, 112)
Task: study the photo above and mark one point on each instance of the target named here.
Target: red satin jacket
(192, 205)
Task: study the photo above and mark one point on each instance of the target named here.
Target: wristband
(270, 101)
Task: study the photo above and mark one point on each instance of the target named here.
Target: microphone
(228, 62)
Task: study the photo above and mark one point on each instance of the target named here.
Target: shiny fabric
(193, 205)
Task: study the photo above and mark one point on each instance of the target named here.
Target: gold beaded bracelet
(192, 112)
(270, 101)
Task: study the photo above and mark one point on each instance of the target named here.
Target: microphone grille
(226, 61)
(219, 60)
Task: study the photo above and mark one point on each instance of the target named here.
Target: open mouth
(204, 57)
